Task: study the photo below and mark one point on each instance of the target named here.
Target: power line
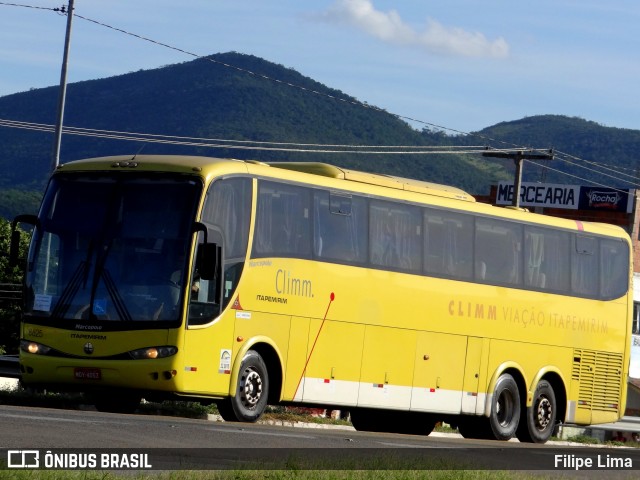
(247, 144)
(61, 9)
(291, 146)
(580, 178)
(616, 169)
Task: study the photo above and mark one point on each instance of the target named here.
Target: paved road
(179, 442)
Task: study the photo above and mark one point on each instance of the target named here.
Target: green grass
(272, 475)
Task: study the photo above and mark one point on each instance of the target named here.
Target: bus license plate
(87, 373)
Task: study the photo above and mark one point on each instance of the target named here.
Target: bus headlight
(153, 352)
(34, 347)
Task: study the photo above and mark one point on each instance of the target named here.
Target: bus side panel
(531, 359)
(333, 362)
(439, 368)
(387, 375)
(270, 326)
(296, 359)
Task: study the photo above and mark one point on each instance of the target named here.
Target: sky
(459, 64)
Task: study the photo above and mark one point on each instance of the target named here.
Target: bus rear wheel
(252, 391)
(505, 408)
(538, 420)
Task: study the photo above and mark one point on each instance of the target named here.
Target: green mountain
(584, 150)
(209, 98)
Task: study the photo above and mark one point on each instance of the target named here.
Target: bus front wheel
(252, 391)
(505, 408)
(538, 421)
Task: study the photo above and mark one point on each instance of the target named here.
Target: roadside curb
(282, 423)
(318, 426)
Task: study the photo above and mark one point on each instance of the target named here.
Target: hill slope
(584, 149)
(204, 98)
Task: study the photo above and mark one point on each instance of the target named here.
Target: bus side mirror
(209, 260)
(209, 256)
(14, 246)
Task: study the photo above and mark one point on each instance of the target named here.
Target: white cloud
(435, 38)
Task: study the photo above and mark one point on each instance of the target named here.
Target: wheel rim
(544, 413)
(251, 388)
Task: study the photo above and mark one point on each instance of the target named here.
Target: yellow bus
(247, 284)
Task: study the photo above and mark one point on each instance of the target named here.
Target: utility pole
(518, 157)
(55, 160)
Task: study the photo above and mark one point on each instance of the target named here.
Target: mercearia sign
(572, 197)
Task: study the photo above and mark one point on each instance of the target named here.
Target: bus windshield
(111, 248)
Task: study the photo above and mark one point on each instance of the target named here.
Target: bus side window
(283, 221)
(395, 232)
(546, 259)
(614, 268)
(448, 244)
(340, 227)
(584, 266)
(498, 251)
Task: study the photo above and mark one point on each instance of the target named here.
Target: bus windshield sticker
(100, 306)
(42, 302)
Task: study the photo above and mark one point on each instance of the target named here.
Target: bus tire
(252, 391)
(538, 421)
(505, 408)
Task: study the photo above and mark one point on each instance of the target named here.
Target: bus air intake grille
(599, 375)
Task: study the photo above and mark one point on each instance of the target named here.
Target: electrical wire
(616, 169)
(579, 178)
(247, 144)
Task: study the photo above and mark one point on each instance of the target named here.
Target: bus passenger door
(207, 355)
(439, 372)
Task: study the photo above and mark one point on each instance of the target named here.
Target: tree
(10, 310)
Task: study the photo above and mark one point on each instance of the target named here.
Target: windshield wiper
(80, 275)
(69, 292)
(118, 302)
